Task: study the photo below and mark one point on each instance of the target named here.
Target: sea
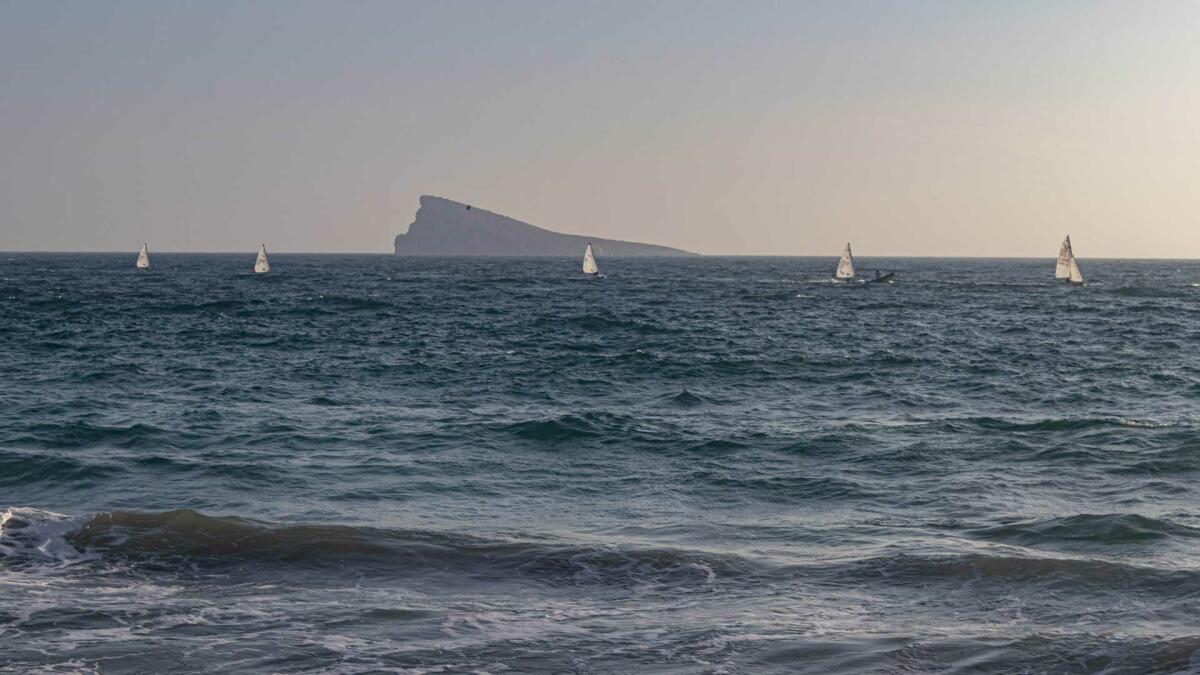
(374, 464)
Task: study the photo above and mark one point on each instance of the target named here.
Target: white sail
(143, 260)
(845, 268)
(1074, 276)
(589, 262)
(1063, 269)
(261, 265)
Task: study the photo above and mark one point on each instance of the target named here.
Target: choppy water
(370, 464)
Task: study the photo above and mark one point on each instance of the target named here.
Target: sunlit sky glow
(956, 128)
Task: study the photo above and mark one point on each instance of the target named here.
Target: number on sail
(1063, 269)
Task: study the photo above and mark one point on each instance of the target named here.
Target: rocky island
(444, 227)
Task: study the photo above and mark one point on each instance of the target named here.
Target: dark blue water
(370, 464)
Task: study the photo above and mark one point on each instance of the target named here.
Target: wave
(717, 446)
(187, 540)
(569, 427)
(1108, 529)
(1058, 424)
(32, 537)
(325, 401)
(354, 304)
(326, 305)
(23, 468)
(968, 650)
(1184, 458)
(1151, 291)
(685, 399)
(83, 435)
(605, 321)
(1071, 574)
(213, 306)
(242, 472)
(778, 489)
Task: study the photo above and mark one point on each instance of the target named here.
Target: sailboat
(845, 268)
(143, 261)
(1067, 268)
(261, 265)
(590, 267)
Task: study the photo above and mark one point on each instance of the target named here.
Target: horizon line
(500, 257)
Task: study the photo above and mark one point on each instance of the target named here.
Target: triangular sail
(589, 262)
(1074, 275)
(845, 268)
(143, 260)
(261, 265)
(1063, 269)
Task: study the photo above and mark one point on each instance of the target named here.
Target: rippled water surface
(713, 465)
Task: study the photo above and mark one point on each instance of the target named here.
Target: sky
(758, 127)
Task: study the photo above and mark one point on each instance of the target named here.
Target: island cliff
(448, 228)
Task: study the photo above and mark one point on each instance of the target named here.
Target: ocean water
(364, 464)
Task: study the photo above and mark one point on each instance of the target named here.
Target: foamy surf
(36, 537)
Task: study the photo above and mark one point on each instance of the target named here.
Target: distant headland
(444, 227)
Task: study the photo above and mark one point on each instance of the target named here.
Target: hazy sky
(910, 128)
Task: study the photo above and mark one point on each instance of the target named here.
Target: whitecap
(29, 534)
